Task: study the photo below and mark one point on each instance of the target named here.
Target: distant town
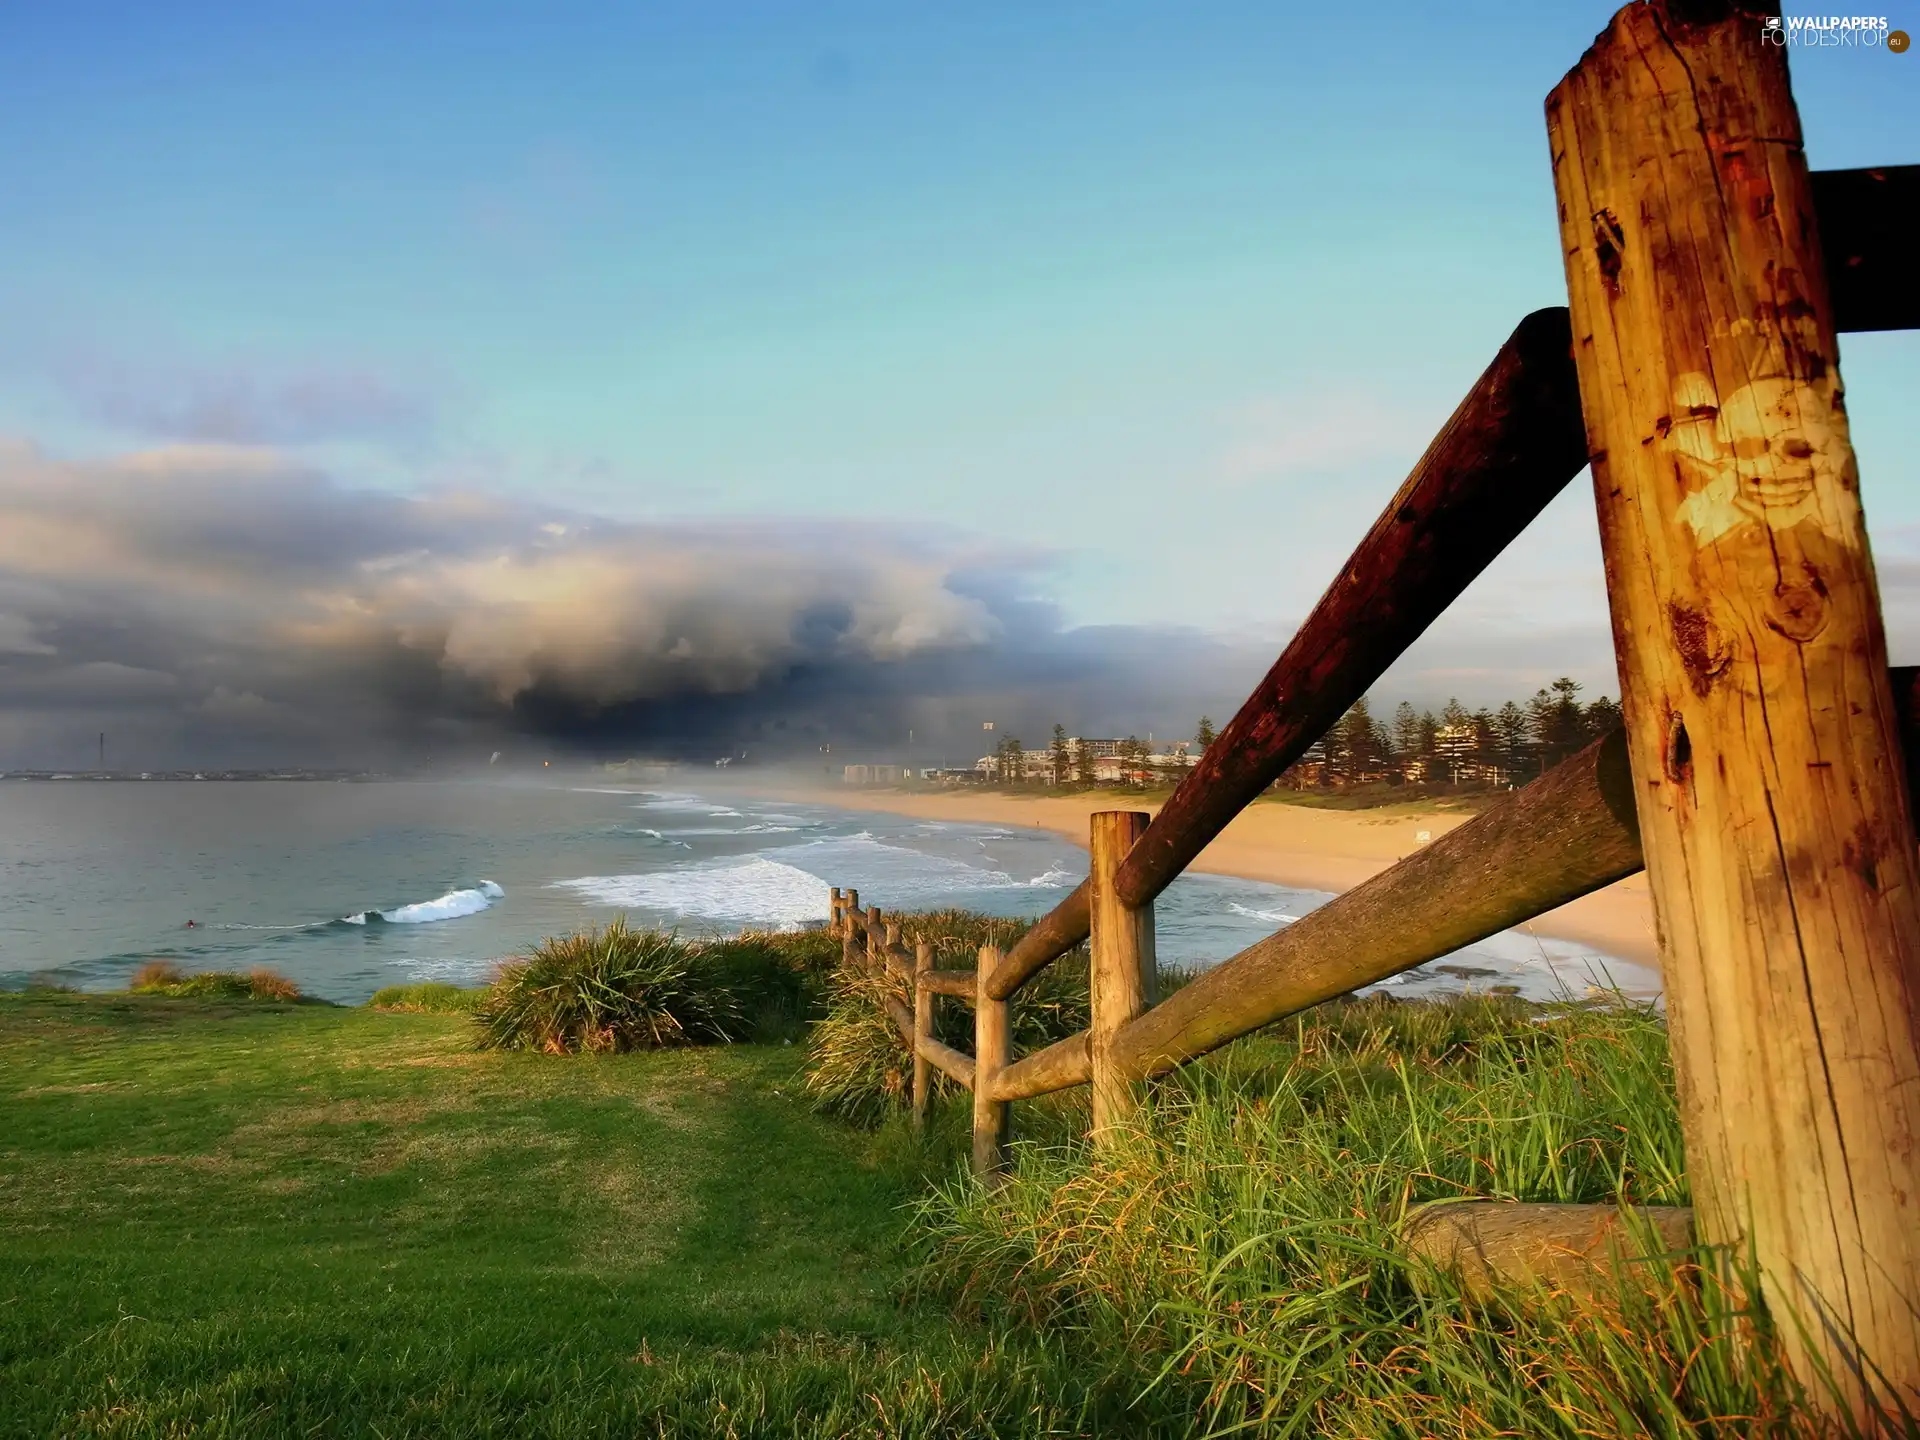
(1477, 749)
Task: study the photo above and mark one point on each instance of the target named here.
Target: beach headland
(1282, 844)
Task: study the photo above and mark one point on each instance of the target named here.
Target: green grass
(247, 1217)
(250, 1218)
(1241, 1236)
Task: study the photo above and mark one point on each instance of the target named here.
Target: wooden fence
(1763, 774)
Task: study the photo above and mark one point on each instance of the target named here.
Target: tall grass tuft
(859, 1068)
(1241, 1235)
(163, 977)
(609, 989)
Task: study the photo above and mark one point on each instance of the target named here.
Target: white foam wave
(674, 800)
(909, 877)
(1054, 878)
(750, 890)
(450, 906)
(1272, 917)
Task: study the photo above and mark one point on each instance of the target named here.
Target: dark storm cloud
(219, 602)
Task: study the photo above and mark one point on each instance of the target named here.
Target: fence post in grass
(853, 938)
(833, 910)
(1753, 671)
(1122, 974)
(924, 1001)
(992, 1045)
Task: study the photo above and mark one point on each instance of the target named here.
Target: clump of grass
(609, 989)
(163, 977)
(859, 1068)
(430, 997)
(777, 978)
(156, 975)
(1242, 1234)
(265, 984)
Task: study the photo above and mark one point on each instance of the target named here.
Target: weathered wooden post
(853, 935)
(833, 910)
(924, 1001)
(992, 1044)
(1778, 841)
(1123, 968)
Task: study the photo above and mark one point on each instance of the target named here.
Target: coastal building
(874, 775)
(1109, 768)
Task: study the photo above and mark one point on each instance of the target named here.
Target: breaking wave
(450, 906)
(750, 890)
(1272, 917)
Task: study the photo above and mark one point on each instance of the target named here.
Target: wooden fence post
(924, 1001)
(1779, 845)
(1123, 969)
(992, 1043)
(834, 903)
(853, 936)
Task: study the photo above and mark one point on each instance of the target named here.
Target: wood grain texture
(1123, 968)
(902, 1018)
(992, 1046)
(1044, 942)
(1061, 1066)
(959, 983)
(947, 1060)
(1565, 1248)
(1779, 844)
(925, 1000)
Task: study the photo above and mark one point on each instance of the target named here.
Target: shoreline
(1293, 845)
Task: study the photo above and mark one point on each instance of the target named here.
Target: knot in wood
(1798, 611)
(1702, 648)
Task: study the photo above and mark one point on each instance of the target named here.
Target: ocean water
(349, 887)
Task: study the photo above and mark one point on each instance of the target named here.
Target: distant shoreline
(1297, 846)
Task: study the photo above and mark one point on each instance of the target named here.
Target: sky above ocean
(1115, 322)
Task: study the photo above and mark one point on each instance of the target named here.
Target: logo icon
(1898, 41)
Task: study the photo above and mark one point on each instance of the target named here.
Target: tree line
(1507, 746)
(1485, 747)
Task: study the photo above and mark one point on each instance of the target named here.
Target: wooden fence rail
(1569, 833)
(1769, 758)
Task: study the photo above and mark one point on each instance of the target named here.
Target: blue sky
(1168, 295)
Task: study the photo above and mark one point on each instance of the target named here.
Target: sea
(349, 887)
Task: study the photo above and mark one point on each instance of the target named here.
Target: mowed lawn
(253, 1218)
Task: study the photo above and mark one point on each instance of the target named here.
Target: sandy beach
(1294, 845)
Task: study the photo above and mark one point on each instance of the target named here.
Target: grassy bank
(253, 1218)
(224, 1215)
